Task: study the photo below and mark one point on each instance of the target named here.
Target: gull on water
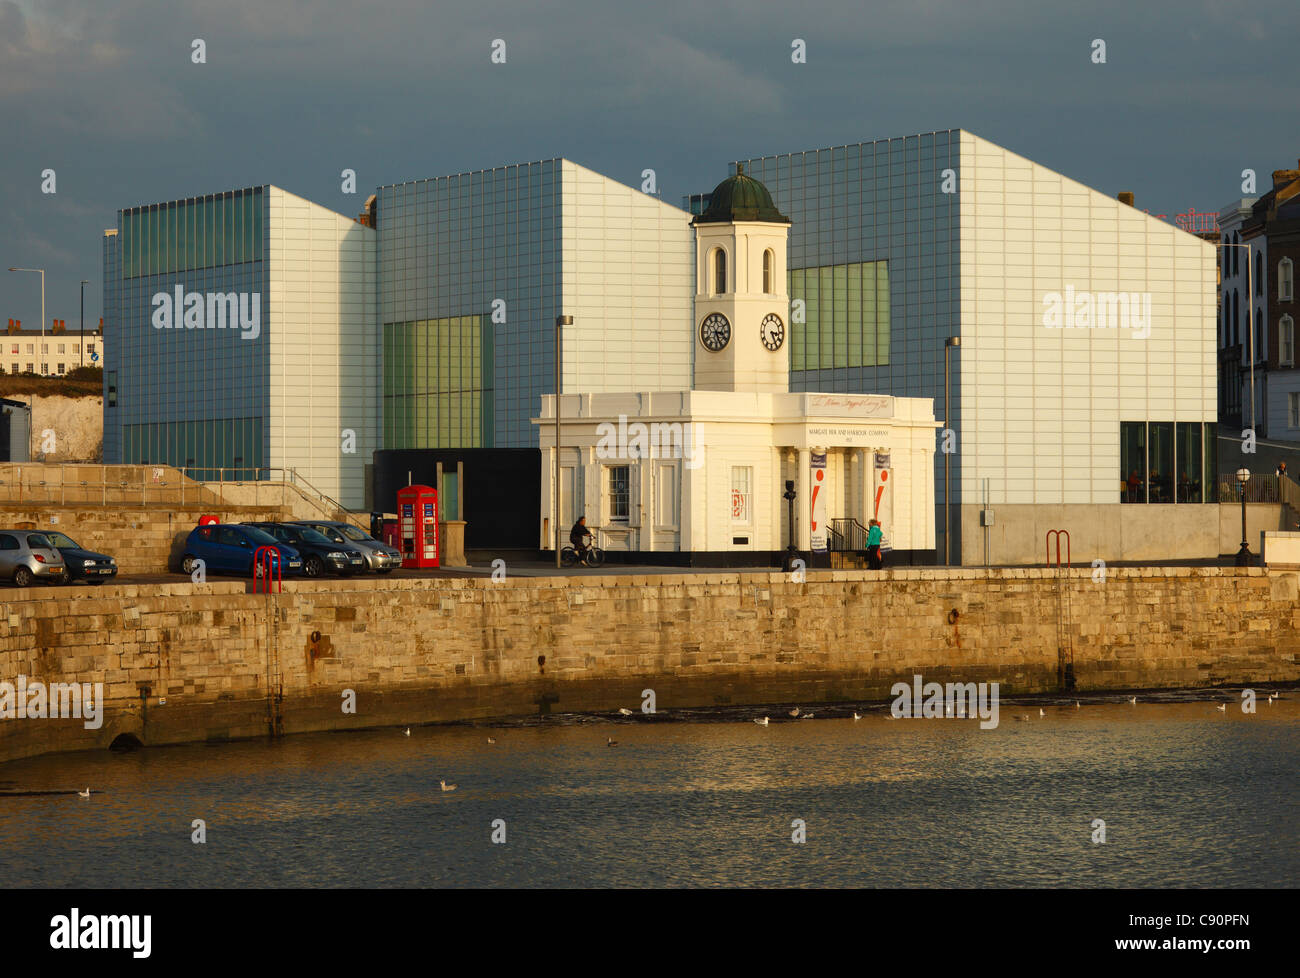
(625, 711)
(794, 712)
(855, 715)
(84, 794)
(1222, 707)
(1133, 701)
(807, 716)
(492, 740)
(408, 731)
(1076, 704)
(763, 722)
(611, 742)
(1041, 713)
(448, 787)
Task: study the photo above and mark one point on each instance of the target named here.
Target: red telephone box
(417, 522)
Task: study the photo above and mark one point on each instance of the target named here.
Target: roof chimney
(1126, 197)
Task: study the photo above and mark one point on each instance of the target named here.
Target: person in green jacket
(874, 536)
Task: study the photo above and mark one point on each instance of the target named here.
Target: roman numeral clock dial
(772, 331)
(715, 332)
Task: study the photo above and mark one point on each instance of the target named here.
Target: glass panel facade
(1133, 461)
(1167, 462)
(874, 254)
(188, 396)
(434, 389)
(469, 288)
(846, 316)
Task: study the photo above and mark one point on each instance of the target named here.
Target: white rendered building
(705, 470)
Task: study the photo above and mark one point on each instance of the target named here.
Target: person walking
(874, 536)
(1281, 469)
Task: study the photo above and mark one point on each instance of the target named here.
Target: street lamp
(948, 344)
(42, 274)
(792, 551)
(559, 321)
(81, 340)
(1243, 555)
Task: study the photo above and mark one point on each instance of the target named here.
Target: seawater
(1190, 797)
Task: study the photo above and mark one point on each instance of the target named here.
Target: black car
(83, 565)
(319, 554)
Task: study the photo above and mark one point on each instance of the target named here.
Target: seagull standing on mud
(855, 715)
(794, 712)
(763, 722)
(1222, 707)
(1133, 701)
(408, 731)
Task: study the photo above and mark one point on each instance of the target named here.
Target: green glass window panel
(1211, 432)
(171, 237)
(840, 320)
(853, 312)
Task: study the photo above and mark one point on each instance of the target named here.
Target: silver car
(26, 555)
(380, 557)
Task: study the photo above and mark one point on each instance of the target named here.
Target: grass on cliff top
(78, 382)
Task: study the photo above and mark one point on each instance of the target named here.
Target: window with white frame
(1286, 340)
(742, 494)
(1285, 280)
(667, 495)
(620, 492)
(1293, 409)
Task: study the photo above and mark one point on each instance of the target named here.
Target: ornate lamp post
(1243, 555)
(792, 551)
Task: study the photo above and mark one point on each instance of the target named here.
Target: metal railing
(91, 484)
(847, 534)
(1262, 488)
(268, 482)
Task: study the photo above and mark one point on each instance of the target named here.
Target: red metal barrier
(266, 564)
(1048, 542)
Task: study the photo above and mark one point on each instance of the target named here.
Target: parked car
(83, 565)
(380, 557)
(319, 552)
(231, 547)
(26, 555)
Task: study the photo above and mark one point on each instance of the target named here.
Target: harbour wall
(190, 663)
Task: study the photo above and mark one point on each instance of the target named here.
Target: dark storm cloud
(293, 92)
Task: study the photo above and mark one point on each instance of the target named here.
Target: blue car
(230, 549)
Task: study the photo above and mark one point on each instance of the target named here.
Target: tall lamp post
(81, 340)
(948, 344)
(1244, 554)
(42, 274)
(792, 551)
(559, 322)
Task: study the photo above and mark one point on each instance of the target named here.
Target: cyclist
(578, 535)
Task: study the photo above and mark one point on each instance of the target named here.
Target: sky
(107, 95)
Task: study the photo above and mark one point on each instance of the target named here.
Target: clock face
(715, 331)
(772, 331)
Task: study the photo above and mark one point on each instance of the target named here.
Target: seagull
(84, 794)
(1024, 718)
(448, 787)
(1076, 705)
(807, 716)
(626, 712)
(763, 722)
(1222, 707)
(408, 731)
(856, 716)
(794, 712)
(1041, 713)
(611, 742)
(492, 740)
(1133, 701)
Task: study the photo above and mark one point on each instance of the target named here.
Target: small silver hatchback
(26, 555)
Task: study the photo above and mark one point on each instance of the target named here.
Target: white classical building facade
(706, 470)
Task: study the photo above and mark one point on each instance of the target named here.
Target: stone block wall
(424, 650)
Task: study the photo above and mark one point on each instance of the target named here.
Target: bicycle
(593, 556)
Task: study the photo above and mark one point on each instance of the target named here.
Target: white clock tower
(742, 306)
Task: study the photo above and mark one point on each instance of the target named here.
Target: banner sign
(882, 507)
(817, 504)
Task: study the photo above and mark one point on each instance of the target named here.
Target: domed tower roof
(741, 198)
